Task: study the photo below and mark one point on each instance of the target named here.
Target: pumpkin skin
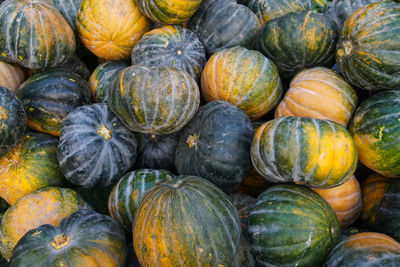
(319, 93)
(69, 9)
(175, 219)
(95, 148)
(46, 206)
(367, 52)
(40, 38)
(96, 197)
(99, 26)
(244, 257)
(101, 78)
(365, 249)
(376, 133)
(215, 145)
(76, 65)
(49, 96)
(11, 76)
(345, 200)
(129, 191)
(12, 121)
(171, 46)
(244, 78)
(253, 184)
(307, 151)
(154, 100)
(299, 40)
(291, 225)
(224, 24)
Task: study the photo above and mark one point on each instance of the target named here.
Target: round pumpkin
(187, 220)
(171, 46)
(376, 133)
(319, 93)
(76, 65)
(110, 28)
(313, 152)
(85, 238)
(129, 191)
(291, 225)
(154, 100)
(299, 40)
(34, 34)
(11, 76)
(46, 206)
(244, 78)
(95, 148)
(365, 249)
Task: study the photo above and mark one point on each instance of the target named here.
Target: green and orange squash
(69, 9)
(76, 65)
(11, 76)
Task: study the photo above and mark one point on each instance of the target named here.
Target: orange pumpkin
(11, 76)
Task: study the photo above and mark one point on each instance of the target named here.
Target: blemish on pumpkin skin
(381, 132)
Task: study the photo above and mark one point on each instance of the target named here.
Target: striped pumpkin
(319, 93)
(154, 100)
(69, 9)
(11, 76)
(313, 152)
(244, 78)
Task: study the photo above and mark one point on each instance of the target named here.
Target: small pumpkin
(11, 76)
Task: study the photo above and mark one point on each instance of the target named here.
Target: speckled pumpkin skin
(46, 206)
(34, 34)
(69, 9)
(11, 76)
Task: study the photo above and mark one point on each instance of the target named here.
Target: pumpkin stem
(60, 241)
(348, 47)
(3, 113)
(192, 140)
(104, 132)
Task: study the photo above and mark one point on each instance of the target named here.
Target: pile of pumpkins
(199, 133)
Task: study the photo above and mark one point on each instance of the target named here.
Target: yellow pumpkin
(11, 76)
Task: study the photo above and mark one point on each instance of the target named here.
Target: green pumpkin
(69, 9)
(96, 197)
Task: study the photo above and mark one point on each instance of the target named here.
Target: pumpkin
(171, 46)
(126, 195)
(49, 96)
(244, 204)
(96, 197)
(215, 145)
(95, 148)
(187, 220)
(376, 133)
(110, 28)
(319, 93)
(45, 206)
(290, 225)
(365, 249)
(224, 24)
(12, 121)
(253, 183)
(69, 9)
(299, 40)
(101, 78)
(345, 200)
(154, 100)
(367, 51)
(244, 78)
(34, 34)
(313, 152)
(11, 76)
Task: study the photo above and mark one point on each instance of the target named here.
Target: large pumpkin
(244, 78)
(186, 222)
(11, 76)
(319, 93)
(110, 28)
(34, 34)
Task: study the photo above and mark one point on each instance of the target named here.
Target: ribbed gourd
(11, 76)
(69, 9)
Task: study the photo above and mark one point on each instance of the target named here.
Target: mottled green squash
(69, 9)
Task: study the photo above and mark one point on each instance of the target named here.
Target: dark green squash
(69, 9)
(96, 197)
(83, 239)
(215, 145)
(291, 225)
(95, 148)
(76, 65)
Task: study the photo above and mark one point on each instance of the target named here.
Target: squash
(244, 257)
(49, 96)
(319, 93)
(69, 9)
(244, 78)
(110, 28)
(244, 204)
(187, 220)
(299, 40)
(154, 100)
(34, 34)
(171, 46)
(253, 183)
(96, 197)
(290, 225)
(95, 148)
(129, 191)
(365, 249)
(215, 145)
(11, 76)
(345, 200)
(45, 206)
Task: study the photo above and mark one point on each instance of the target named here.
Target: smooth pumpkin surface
(11, 76)
(110, 28)
(313, 152)
(46, 206)
(186, 221)
(291, 225)
(319, 93)
(244, 78)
